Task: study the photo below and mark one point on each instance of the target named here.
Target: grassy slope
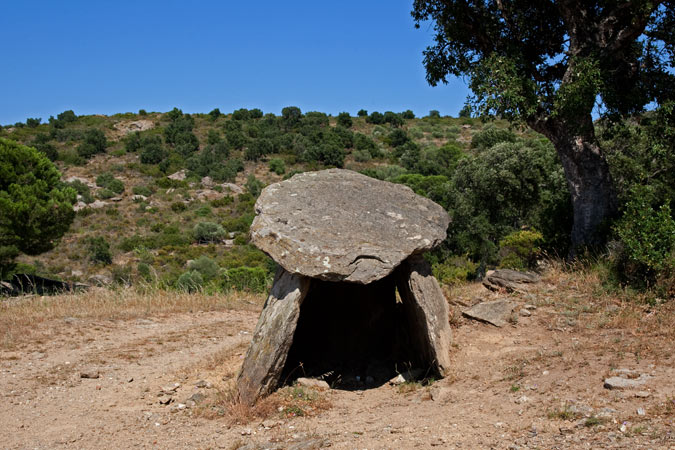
(169, 252)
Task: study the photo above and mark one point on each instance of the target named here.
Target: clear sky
(117, 56)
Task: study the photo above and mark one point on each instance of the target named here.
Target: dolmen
(353, 301)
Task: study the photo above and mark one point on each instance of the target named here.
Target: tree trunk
(588, 180)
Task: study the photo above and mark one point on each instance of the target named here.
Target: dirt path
(537, 383)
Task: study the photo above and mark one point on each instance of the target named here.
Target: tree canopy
(548, 65)
(36, 209)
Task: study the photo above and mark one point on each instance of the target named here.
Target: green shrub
(99, 250)
(253, 279)
(108, 181)
(205, 266)
(94, 143)
(178, 207)
(222, 201)
(454, 270)
(144, 271)
(361, 156)
(191, 281)
(205, 232)
(376, 118)
(647, 236)
(490, 136)
(105, 194)
(253, 185)
(203, 211)
(277, 166)
(142, 190)
(344, 120)
(519, 250)
(82, 190)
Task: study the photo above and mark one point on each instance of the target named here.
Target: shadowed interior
(353, 335)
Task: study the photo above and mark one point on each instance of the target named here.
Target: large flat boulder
(339, 225)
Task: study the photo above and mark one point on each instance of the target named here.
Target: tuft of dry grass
(21, 317)
(290, 401)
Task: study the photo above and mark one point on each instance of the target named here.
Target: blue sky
(108, 57)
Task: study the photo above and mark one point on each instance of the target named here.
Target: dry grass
(291, 401)
(21, 317)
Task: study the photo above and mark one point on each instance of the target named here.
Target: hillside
(148, 217)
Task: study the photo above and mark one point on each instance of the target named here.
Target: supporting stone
(273, 337)
(427, 313)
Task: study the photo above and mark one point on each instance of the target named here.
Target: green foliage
(362, 113)
(241, 114)
(253, 279)
(434, 114)
(215, 113)
(519, 250)
(82, 190)
(207, 267)
(647, 236)
(407, 114)
(178, 207)
(33, 122)
(376, 118)
(290, 117)
(277, 166)
(191, 281)
(94, 142)
(205, 232)
(151, 150)
(142, 190)
(35, 207)
(253, 185)
(99, 250)
(490, 136)
(465, 112)
(395, 120)
(344, 120)
(454, 270)
(108, 181)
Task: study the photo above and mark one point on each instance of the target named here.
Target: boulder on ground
(509, 280)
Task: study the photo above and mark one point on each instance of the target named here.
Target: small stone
(130, 379)
(522, 399)
(196, 398)
(641, 411)
(91, 374)
(625, 383)
(203, 384)
(530, 307)
(165, 400)
(171, 388)
(246, 432)
(642, 394)
(495, 312)
(312, 383)
(524, 312)
(269, 424)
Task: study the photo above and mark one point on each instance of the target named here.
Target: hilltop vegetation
(166, 199)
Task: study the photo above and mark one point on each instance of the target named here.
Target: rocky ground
(538, 381)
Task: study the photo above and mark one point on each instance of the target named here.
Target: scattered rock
(97, 204)
(233, 188)
(510, 280)
(440, 393)
(165, 400)
(100, 280)
(203, 384)
(207, 182)
(410, 375)
(116, 199)
(530, 307)
(627, 379)
(195, 399)
(139, 198)
(89, 184)
(642, 394)
(496, 312)
(321, 215)
(312, 383)
(136, 125)
(92, 374)
(178, 176)
(169, 389)
(524, 312)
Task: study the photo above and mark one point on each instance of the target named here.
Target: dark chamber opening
(353, 335)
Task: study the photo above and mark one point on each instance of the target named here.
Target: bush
(82, 190)
(33, 122)
(205, 232)
(454, 270)
(215, 113)
(376, 118)
(253, 185)
(434, 114)
(241, 114)
(344, 120)
(99, 250)
(408, 114)
(142, 190)
(205, 266)
(191, 281)
(362, 113)
(178, 207)
(105, 194)
(151, 150)
(647, 236)
(94, 143)
(108, 181)
(253, 279)
(519, 250)
(490, 136)
(277, 166)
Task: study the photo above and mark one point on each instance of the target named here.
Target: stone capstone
(339, 225)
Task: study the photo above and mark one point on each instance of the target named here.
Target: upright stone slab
(427, 312)
(272, 338)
